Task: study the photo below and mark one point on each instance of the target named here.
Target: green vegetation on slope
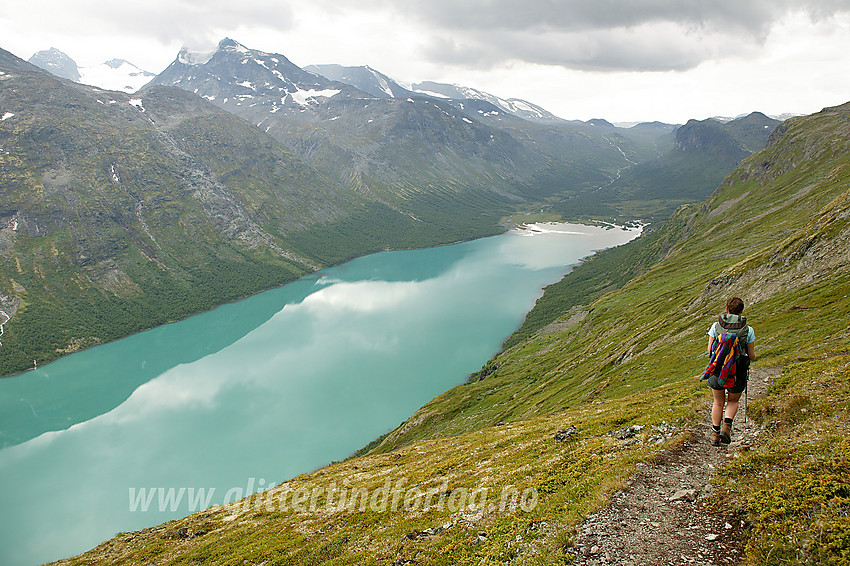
(796, 486)
(755, 238)
(601, 273)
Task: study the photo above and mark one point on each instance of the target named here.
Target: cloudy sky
(624, 60)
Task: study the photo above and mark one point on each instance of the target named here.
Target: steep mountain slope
(771, 196)
(502, 469)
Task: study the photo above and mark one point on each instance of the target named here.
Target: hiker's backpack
(737, 325)
(729, 358)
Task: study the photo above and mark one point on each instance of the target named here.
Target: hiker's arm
(710, 344)
(751, 351)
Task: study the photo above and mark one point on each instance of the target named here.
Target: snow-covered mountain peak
(516, 106)
(236, 77)
(228, 44)
(115, 63)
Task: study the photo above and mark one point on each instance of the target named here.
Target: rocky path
(659, 519)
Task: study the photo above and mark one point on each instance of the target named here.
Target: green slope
(776, 232)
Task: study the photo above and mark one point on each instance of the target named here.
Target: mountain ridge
(387, 147)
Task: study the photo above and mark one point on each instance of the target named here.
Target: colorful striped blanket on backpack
(723, 361)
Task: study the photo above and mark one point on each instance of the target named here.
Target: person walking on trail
(727, 393)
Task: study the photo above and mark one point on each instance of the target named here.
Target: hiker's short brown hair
(735, 305)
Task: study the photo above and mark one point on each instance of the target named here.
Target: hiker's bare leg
(717, 407)
(732, 405)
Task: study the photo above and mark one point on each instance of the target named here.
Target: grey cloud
(607, 14)
(647, 48)
(192, 21)
(604, 35)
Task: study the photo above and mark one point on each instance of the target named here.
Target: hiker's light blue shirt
(714, 332)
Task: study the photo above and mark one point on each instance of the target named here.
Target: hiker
(731, 322)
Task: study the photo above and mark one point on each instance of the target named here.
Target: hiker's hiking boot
(714, 437)
(726, 433)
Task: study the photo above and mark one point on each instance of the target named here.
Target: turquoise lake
(255, 392)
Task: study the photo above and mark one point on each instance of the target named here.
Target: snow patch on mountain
(115, 74)
(516, 106)
(194, 57)
(302, 96)
(433, 94)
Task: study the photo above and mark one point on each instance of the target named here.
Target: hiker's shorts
(740, 379)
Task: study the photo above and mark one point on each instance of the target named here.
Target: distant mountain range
(378, 84)
(120, 212)
(688, 160)
(118, 74)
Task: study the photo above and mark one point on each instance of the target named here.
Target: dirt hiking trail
(659, 519)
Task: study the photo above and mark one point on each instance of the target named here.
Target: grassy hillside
(543, 418)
